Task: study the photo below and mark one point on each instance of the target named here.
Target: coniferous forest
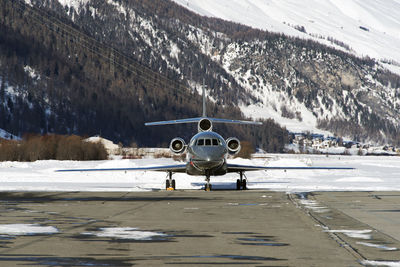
(108, 67)
(74, 88)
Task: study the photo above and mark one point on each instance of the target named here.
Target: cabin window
(208, 142)
(215, 142)
(200, 142)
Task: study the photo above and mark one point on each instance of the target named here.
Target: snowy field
(371, 174)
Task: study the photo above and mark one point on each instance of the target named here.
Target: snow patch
(118, 7)
(108, 145)
(381, 263)
(31, 72)
(359, 234)
(383, 247)
(28, 2)
(126, 233)
(75, 4)
(313, 205)
(26, 229)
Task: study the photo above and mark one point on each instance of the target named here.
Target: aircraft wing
(166, 168)
(242, 168)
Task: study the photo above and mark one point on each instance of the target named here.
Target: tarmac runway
(191, 228)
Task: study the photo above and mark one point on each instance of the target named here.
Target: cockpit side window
(215, 142)
(200, 142)
(208, 142)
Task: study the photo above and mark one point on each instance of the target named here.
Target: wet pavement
(249, 228)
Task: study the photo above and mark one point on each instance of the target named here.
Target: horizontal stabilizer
(195, 120)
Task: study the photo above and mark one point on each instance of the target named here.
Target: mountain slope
(55, 77)
(323, 88)
(300, 83)
(364, 28)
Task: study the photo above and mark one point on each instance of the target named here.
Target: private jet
(206, 153)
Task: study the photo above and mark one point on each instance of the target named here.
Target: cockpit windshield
(208, 142)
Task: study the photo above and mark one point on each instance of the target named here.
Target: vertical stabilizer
(204, 100)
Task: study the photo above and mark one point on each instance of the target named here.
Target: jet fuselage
(206, 154)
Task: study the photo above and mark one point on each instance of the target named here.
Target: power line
(105, 52)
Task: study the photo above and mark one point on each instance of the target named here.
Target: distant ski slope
(369, 27)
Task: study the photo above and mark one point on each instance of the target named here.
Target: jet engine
(233, 145)
(205, 125)
(177, 145)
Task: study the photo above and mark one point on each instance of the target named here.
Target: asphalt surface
(249, 228)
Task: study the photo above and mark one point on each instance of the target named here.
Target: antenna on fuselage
(204, 101)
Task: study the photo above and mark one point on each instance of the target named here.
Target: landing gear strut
(241, 184)
(208, 186)
(170, 183)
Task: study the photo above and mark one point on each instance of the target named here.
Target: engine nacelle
(177, 145)
(205, 125)
(233, 145)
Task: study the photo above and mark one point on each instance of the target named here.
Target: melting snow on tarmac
(383, 247)
(381, 263)
(360, 234)
(126, 233)
(26, 229)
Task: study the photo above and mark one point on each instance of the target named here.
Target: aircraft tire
(167, 184)
(244, 184)
(173, 184)
(238, 184)
(207, 187)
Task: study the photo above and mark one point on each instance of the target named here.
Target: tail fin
(204, 101)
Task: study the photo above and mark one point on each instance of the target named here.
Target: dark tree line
(36, 147)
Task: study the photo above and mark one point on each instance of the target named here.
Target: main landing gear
(241, 184)
(170, 183)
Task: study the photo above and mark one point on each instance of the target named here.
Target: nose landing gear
(208, 186)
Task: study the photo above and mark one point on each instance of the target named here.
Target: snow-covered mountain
(301, 84)
(363, 27)
(367, 28)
